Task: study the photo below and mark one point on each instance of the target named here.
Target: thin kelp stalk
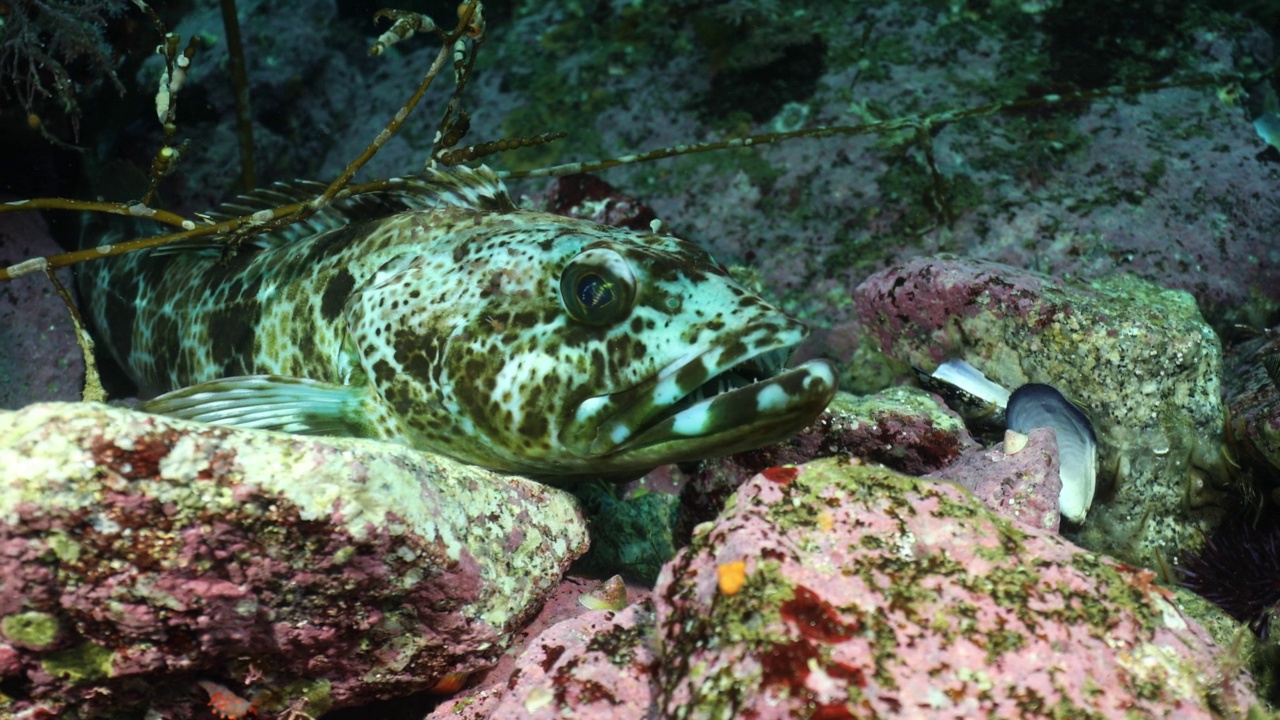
(93, 390)
(923, 127)
(471, 24)
(238, 229)
(240, 85)
(257, 222)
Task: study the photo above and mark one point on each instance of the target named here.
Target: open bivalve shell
(1031, 406)
(1035, 405)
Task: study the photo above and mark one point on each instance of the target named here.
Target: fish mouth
(711, 402)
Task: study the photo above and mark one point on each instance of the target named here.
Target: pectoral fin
(270, 402)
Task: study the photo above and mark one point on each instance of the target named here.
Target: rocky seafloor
(882, 563)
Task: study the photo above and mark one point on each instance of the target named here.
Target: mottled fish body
(440, 316)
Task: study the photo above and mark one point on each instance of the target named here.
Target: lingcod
(439, 315)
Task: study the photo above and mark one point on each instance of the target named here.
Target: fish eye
(597, 287)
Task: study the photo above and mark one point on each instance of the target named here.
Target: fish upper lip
(799, 403)
(652, 413)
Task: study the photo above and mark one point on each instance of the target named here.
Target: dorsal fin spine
(477, 189)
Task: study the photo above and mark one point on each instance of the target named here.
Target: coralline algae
(873, 594)
(866, 593)
(1138, 359)
(137, 551)
(1021, 483)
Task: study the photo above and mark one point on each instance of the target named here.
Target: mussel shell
(1036, 405)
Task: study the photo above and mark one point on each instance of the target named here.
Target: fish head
(554, 347)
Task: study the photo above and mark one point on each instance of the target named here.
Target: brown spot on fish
(336, 294)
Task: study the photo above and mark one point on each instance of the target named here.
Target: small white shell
(1035, 405)
(1014, 442)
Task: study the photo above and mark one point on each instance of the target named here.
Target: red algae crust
(1137, 358)
(140, 554)
(872, 594)
(1023, 485)
(596, 665)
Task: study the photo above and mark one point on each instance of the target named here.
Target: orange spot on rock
(225, 703)
(733, 575)
(780, 475)
(826, 520)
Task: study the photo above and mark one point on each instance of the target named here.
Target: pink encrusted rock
(1022, 485)
(139, 554)
(871, 594)
(563, 606)
(914, 308)
(1138, 359)
(903, 428)
(596, 665)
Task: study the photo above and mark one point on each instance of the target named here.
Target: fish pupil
(594, 291)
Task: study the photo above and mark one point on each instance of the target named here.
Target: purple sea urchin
(1238, 569)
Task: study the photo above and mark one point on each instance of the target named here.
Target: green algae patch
(751, 617)
(89, 661)
(619, 645)
(633, 535)
(316, 696)
(64, 547)
(33, 630)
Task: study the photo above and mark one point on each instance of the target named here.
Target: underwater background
(1168, 172)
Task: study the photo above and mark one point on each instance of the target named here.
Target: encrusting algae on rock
(138, 550)
(838, 590)
(872, 594)
(1138, 359)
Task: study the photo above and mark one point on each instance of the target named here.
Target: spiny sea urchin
(1238, 569)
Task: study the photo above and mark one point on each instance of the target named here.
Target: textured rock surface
(904, 428)
(139, 554)
(564, 606)
(1023, 485)
(1139, 360)
(596, 665)
(1253, 402)
(39, 357)
(868, 593)
(1165, 183)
